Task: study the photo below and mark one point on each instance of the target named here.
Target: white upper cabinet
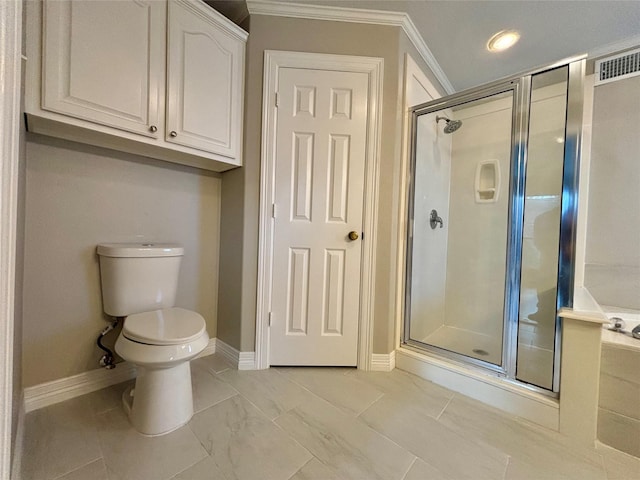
(160, 78)
(204, 96)
(104, 62)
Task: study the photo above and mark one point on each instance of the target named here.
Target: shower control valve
(434, 219)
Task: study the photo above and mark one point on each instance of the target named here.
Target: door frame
(373, 67)
(10, 81)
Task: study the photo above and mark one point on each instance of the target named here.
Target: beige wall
(612, 270)
(78, 196)
(239, 246)
(231, 271)
(17, 314)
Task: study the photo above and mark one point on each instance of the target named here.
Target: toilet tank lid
(137, 250)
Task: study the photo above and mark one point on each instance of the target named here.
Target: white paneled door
(318, 216)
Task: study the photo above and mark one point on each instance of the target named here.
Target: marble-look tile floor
(308, 424)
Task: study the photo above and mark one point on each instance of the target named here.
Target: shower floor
(467, 342)
(535, 364)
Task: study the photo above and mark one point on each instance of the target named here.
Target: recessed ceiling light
(502, 40)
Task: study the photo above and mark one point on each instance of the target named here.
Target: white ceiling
(456, 31)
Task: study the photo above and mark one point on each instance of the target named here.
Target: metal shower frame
(520, 86)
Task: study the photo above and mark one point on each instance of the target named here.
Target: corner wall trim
(238, 359)
(383, 362)
(56, 391)
(355, 15)
(10, 80)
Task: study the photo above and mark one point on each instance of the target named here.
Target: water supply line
(107, 359)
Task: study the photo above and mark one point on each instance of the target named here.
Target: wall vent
(618, 67)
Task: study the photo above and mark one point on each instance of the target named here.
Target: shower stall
(491, 224)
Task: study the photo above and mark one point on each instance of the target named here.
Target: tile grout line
(289, 436)
(188, 425)
(357, 419)
(604, 467)
(101, 457)
(347, 373)
(415, 459)
(506, 468)
(404, 449)
(445, 407)
(98, 437)
(196, 462)
(370, 405)
(386, 437)
(312, 393)
(295, 473)
(273, 421)
(196, 412)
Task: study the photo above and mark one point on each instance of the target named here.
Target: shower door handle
(434, 219)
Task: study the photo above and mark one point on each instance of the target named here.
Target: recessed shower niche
(485, 288)
(487, 182)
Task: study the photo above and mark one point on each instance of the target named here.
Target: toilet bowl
(139, 284)
(161, 343)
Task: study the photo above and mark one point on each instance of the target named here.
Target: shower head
(451, 126)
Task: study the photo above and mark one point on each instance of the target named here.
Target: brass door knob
(353, 235)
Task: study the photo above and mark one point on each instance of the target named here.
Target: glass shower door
(537, 321)
(459, 227)
(492, 224)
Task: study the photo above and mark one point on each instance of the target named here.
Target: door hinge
(277, 99)
(273, 210)
(270, 318)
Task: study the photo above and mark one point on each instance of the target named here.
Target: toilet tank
(138, 277)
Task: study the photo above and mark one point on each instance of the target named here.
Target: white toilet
(139, 282)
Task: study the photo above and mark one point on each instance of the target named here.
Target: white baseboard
(238, 359)
(210, 349)
(18, 446)
(49, 393)
(56, 391)
(383, 362)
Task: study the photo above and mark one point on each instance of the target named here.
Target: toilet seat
(168, 326)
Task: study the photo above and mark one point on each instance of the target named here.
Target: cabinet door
(205, 77)
(103, 61)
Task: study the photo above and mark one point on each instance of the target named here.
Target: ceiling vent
(618, 67)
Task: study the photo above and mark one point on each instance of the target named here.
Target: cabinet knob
(173, 133)
(153, 129)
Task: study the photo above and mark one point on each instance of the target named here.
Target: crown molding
(354, 15)
(611, 48)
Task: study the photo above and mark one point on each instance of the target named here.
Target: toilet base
(161, 401)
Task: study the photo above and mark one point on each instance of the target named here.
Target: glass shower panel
(541, 230)
(460, 223)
